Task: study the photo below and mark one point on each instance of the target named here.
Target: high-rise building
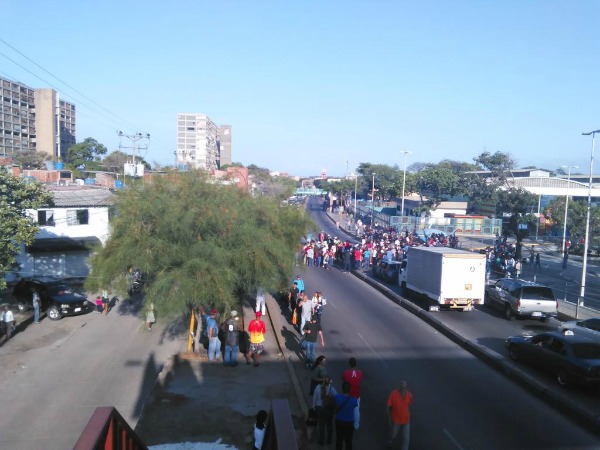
(54, 123)
(35, 119)
(200, 144)
(224, 144)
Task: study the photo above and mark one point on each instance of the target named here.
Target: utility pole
(134, 138)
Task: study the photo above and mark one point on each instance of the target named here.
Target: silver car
(589, 328)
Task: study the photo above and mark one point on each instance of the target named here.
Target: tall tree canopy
(16, 228)
(198, 242)
(90, 150)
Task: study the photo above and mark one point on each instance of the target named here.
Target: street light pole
(355, 188)
(564, 239)
(580, 300)
(373, 203)
(404, 180)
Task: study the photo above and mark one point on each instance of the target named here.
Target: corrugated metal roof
(81, 196)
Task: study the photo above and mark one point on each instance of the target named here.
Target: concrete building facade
(35, 120)
(201, 144)
(224, 143)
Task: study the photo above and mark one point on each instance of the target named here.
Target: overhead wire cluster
(109, 119)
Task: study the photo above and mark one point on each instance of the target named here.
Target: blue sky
(309, 85)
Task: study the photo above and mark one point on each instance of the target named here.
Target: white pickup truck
(520, 298)
(451, 278)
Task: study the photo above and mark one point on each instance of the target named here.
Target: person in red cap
(256, 330)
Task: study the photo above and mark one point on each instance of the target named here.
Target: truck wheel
(403, 289)
(508, 315)
(53, 313)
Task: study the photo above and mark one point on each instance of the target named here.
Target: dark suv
(57, 299)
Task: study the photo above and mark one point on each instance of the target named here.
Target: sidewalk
(201, 400)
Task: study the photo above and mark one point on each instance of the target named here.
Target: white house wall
(98, 225)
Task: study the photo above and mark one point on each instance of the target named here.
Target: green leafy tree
(576, 219)
(16, 228)
(198, 242)
(86, 152)
(515, 202)
(388, 180)
(30, 159)
(115, 161)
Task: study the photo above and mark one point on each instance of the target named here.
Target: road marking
(373, 351)
(454, 441)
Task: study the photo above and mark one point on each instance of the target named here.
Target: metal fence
(447, 225)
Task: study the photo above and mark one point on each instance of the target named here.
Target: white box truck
(451, 278)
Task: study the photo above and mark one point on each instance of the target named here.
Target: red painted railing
(107, 430)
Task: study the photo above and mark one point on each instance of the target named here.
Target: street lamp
(355, 188)
(406, 152)
(373, 203)
(564, 239)
(580, 300)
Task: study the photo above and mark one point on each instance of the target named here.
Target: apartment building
(35, 119)
(200, 144)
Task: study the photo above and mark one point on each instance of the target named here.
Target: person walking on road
(353, 377)
(105, 300)
(257, 330)
(306, 308)
(538, 263)
(312, 331)
(324, 403)
(8, 322)
(36, 306)
(347, 417)
(398, 412)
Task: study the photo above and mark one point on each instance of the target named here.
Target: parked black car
(571, 358)
(57, 299)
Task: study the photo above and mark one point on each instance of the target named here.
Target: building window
(77, 217)
(46, 218)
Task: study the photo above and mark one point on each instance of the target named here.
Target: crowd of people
(378, 243)
(502, 258)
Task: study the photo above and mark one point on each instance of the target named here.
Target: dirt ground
(216, 404)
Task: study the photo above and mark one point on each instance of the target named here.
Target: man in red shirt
(353, 376)
(398, 411)
(256, 330)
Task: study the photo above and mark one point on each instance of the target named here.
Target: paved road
(55, 374)
(465, 401)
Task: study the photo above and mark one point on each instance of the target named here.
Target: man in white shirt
(8, 321)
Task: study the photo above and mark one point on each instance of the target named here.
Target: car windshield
(61, 289)
(586, 351)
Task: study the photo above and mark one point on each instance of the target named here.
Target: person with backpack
(324, 404)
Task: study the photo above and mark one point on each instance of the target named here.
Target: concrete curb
(276, 325)
(559, 402)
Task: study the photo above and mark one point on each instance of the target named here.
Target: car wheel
(563, 378)
(53, 313)
(513, 351)
(508, 315)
